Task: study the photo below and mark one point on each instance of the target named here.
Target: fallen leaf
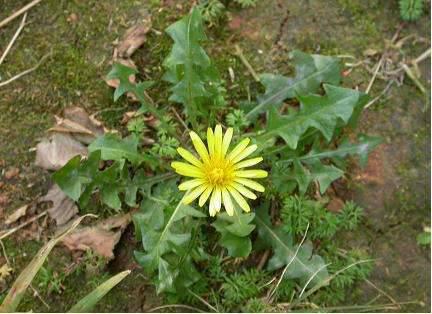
(100, 238)
(17, 214)
(55, 152)
(335, 205)
(5, 271)
(73, 18)
(370, 52)
(133, 38)
(63, 208)
(11, 173)
(4, 199)
(79, 124)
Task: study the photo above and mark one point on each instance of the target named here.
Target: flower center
(216, 176)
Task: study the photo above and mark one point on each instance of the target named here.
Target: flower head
(218, 173)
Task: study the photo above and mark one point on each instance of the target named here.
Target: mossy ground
(396, 199)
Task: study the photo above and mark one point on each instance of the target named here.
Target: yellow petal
(251, 173)
(189, 157)
(194, 194)
(187, 185)
(238, 149)
(218, 140)
(215, 202)
(187, 170)
(210, 141)
(239, 199)
(199, 146)
(204, 197)
(250, 184)
(246, 152)
(248, 163)
(226, 141)
(244, 191)
(226, 199)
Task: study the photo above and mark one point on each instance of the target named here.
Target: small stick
(4, 252)
(9, 46)
(382, 292)
(39, 297)
(239, 53)
(263, 259)
(370, 103)
(13, 230)
(25, 72)
(179, 118)
(420, 58)
(412, 76)
(374, 75)
(19, 12)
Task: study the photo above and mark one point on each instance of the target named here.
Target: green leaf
(303, 264)
(362, 149)
(166, 235)
(196, 83)
(87, 303)
(319, 112)
(122, 73)
(235, 231)
(311, 71)
(114, 148)
(68, 178)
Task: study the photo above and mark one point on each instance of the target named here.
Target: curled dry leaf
(133, 38)
(79, 124)
(55, 152)
(63, 208)
(100, 238)
(17, 214)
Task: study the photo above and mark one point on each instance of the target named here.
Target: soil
(394, 188)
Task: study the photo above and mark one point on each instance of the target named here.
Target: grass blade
(13, 298)
(87, 303)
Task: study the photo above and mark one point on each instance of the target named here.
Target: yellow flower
(219, 174)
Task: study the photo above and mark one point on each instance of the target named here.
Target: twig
(263, 259)
(39, 296)
(13, 230)
(26, 71)
(382, 292)
(211, 307)
(286, 267)
(374, 75)
(175, 306)
(179, 118)
(239, 53)
(385, 90)
(4, 253)
(19, 12)
(413, 77)
(15, 36)
(422, 57)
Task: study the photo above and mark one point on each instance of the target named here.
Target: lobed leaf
(311, 72)
(303, 264)
(319, 112)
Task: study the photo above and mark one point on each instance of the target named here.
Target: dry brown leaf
(133, 38)
(79, 124)
(11, 173)
(63, 208)
(55, 152)
(335, 205)
(100, 238)
(5, 271)
(17, 214)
